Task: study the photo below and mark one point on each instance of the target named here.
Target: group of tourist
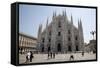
(51, 55)
(29, 57)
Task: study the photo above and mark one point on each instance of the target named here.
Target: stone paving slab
(40, 58)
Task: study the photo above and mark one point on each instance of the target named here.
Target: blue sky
(30, 16)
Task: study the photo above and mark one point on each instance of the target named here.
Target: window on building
(59, 33)
(59, 47)
(77, 48)
(19, 41)
(43, 48)
(43, 40)
(49, 49)
(68, 31)
(69, 38)
(76, 38)
(27, 43)
(69, 48)
(59, 24)
(49, 40)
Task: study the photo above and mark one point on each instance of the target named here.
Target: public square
(73, 38)
(41, 58)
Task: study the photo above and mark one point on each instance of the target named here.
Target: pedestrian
(27, 57)
(31, 56)
(83, 53)
(48, 55)
(71, 57)
(53, 55)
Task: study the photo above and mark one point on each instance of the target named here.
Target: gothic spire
(65, 12)
(47, 23)
(72, 34)
(78, 24)
(39, 30)
(40, 27)
(54, 14)
(71, 19)
(81, 34)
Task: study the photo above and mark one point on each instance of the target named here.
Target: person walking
(82, 53)
(53, 55)
(27, 57)
(48, 55)
(71, 57)
(31, 56)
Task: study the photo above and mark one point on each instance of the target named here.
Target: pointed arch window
(77, 48)
(43, 40)
(59, 24)
(69, 39)
(59, 33)
(49, 40)
(76, 38)
(68, 31)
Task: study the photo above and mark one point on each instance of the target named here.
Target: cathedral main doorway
(59, 47)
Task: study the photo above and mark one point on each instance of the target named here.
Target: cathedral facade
(60, 36)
